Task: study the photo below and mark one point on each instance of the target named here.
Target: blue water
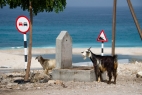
(83, 24)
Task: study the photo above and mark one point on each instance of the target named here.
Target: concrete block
(63, 51)
(77, 73)
(73, 75)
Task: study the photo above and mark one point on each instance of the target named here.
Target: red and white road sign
(102, 37)
(22, 24)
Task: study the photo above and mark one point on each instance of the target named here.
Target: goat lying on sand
(101, 64)
(47, 64)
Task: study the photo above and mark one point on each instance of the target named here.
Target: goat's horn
(89, 48)
(35, 58)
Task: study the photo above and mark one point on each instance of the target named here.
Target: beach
(127, 83)
(83, 24)
(14, 58)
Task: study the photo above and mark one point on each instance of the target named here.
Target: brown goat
(47, 64)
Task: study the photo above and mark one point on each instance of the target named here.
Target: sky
(93, 3)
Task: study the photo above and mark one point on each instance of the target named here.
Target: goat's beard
(84, 57)
(89, 54)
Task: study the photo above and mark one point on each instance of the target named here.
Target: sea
(83, 24)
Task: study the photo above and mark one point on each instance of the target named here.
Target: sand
(14, 58)
(127, 83)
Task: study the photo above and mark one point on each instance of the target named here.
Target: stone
(51, 82)
(6, 81)
(1, 78)
(39, 77)
(17, 78)
(58, 82)
(139, 74)
(15, 75)
(11, 85)
(29, 86)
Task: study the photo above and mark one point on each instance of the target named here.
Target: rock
(58, 82)
(1, 78)
(38, 87)
(12, 85)
(2, 86)
(39, 77)
(5, 81)
(15, 74)
(51, 82)
(17, 78)
(139, 74)
(29, 86)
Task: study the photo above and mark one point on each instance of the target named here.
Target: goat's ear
(82, 52)
(87, 52)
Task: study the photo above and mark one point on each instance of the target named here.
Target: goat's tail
(115, 57)
(115, 62)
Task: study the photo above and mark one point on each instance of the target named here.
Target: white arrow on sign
(22, 24)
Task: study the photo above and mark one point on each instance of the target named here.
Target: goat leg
(101, 76)
(96, 73)
(110, 76)
(115, 75)
(46, 71)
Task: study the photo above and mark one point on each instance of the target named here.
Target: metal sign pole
(25, 50)
(102, 50)
(102, 38)
(22, 25)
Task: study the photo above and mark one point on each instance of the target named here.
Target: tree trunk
(114, 27)
(135, 18)
(30, 44)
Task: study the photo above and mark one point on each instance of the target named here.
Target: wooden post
(135, 18)
(114, 27)
(30, 44)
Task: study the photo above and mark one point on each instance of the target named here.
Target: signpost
(102, 38)
(23, 26)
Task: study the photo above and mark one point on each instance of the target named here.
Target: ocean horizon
(83, 24)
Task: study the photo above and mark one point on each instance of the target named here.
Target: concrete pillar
(63, 51)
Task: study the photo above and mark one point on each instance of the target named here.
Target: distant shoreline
(14, 58)
(96, 50)
(50, 47)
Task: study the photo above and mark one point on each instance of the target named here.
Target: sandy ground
(14, 58)
(127, 83)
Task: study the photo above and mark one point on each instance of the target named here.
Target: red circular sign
(22, 24)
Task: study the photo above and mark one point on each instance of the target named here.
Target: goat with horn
(101, 64)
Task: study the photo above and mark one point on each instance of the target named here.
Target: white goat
(47, 64)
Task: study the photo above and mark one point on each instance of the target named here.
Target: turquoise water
(83, 24)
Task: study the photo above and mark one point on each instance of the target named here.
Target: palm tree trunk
(30, 45)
